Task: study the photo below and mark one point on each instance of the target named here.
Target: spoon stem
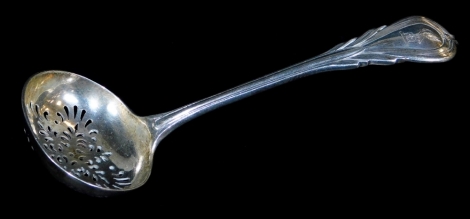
(415, 39)
(175, 118)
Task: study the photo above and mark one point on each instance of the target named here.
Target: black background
(379, 137)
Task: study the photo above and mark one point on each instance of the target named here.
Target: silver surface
(93, 143)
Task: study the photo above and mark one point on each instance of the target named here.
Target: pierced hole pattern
(70, 140)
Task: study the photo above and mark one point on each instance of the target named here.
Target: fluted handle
(416, 39)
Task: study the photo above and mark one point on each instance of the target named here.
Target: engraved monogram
(410, 37)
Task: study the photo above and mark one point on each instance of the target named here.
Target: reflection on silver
(111, 107)
(70, 98)
(93, 103)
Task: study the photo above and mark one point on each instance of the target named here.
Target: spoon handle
(415, 39)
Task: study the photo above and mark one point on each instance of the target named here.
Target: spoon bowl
(91, 141)
(88, 132)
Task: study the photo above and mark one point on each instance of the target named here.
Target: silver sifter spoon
(93, 143)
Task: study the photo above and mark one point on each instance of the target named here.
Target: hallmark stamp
(410, 37)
